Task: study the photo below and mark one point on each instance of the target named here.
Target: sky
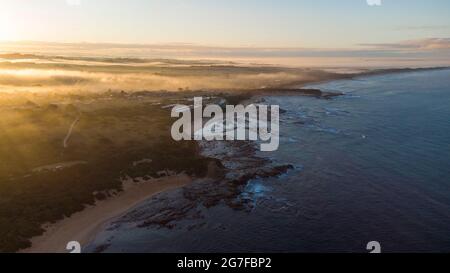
(267, 23)
(397, 29)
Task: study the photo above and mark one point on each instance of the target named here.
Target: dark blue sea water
(372, 165)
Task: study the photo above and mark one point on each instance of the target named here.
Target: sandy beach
(83, 226)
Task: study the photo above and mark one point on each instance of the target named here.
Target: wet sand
(83, 226)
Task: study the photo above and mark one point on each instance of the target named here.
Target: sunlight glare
(6, 28)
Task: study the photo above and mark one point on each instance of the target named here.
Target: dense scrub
(42, 181)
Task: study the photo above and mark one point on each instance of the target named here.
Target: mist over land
(81, 67)
(29, 72)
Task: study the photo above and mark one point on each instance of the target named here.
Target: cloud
(432, 51)
(190, 51)
(421, 45)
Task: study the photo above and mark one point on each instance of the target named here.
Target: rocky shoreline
(310, 92)
(224, 185)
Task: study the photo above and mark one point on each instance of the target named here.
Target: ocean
(371, 165)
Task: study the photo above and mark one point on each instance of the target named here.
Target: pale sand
(84, 225)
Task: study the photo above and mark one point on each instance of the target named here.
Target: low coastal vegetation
(117, 136)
